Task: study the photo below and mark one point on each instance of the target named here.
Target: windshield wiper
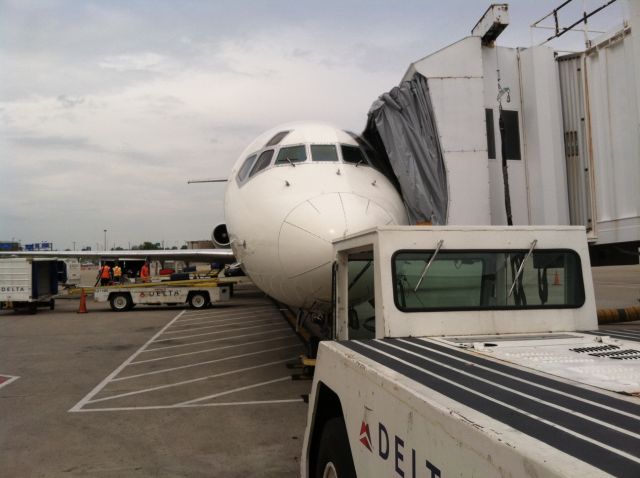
(533, 244)
(290, 162)
(428, 264)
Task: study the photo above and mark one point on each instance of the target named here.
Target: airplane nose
(306, 233)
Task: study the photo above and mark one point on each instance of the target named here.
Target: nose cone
(304, 245)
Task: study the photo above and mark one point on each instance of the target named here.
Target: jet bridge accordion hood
(401, 128)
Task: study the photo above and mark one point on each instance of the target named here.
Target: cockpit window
(263, 161)
(324, 152)
(246, 166)
(277, 138)
(292, 154)
(352, 154)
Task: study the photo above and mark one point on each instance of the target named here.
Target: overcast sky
(108, 107)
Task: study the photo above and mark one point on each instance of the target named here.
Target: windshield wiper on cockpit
(428, 264)
(515, 280)
(290, 162)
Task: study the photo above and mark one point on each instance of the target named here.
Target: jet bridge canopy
(402, 130)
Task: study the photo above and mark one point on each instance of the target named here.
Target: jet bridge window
(246, 167)
(491, 136)
(292, 154)
(324, 152)
(352, 154)
(264, 160)
(486, 280)
(512, 134)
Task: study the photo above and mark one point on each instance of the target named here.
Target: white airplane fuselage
(282, 219)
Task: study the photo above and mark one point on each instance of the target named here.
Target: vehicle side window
(352, 154)
(263, 161)
(293, 154)
(324, 152)
(246, 167)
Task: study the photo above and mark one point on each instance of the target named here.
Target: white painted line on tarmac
(225, 312)
(239, 389)
(78, 406)
(10, 378)
(185, 382)
(215, 340)
(268, 319)
(211, 320)
(232, 315)
(219, 404)
(252, 402)
(225, 318)
(259, 305)
(179, 337)
(214, 349)
(197, 319)
(181, 367)
(215, 320)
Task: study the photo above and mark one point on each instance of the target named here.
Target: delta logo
(365, 436)
(406, 459)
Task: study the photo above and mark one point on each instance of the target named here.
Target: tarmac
(616, 286)
(168, 392)
(151, 392)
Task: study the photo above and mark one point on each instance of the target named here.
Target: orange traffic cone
(83, 303)
(556, 278)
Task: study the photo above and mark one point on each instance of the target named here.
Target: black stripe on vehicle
(550, 396)
(618, 334)
(591, 395)
(568, 420)
(586, 451)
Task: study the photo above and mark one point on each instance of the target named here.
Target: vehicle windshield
(477, 280)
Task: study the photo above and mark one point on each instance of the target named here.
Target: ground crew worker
(144, 273)
(117, 274)
(105, 275)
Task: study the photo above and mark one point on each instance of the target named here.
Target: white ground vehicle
(28, 283)
(471, 351)
(198, 296)
(69, 271)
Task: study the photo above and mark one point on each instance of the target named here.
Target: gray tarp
(402, 130)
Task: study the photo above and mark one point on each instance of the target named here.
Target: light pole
(74, 245)
(105, 239)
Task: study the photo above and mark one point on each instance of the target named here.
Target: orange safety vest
(117, 272)
(105, 272)
(144, 272)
